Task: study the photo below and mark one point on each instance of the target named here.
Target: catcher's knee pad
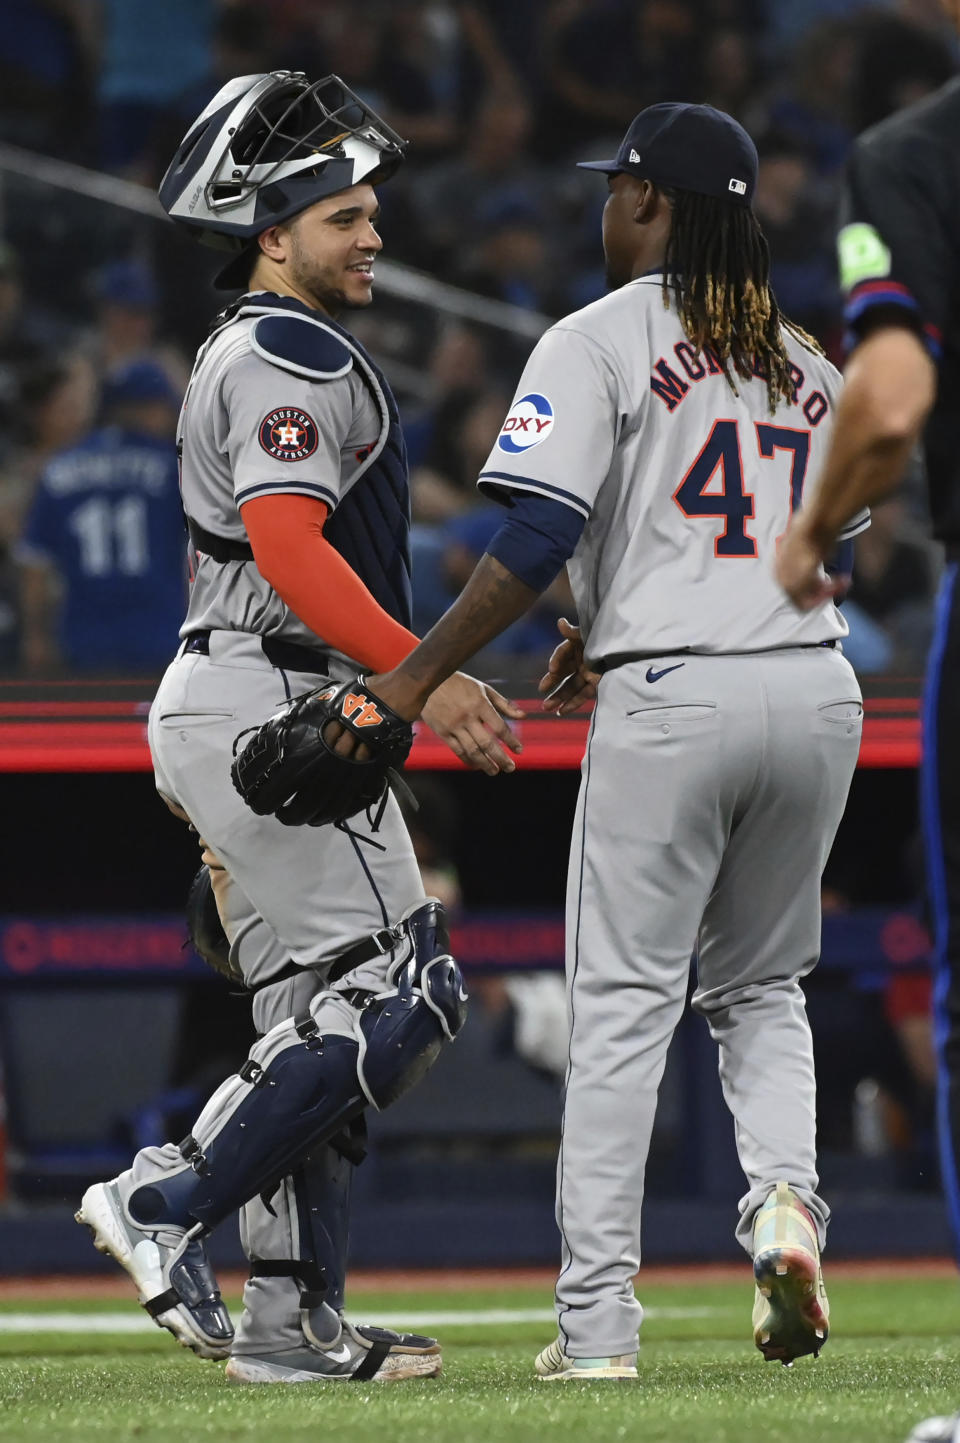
(299, 1087)
(405, 1028)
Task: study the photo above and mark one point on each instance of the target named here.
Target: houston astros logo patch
(288, 434)
(529, 423)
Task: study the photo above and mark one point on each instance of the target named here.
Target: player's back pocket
(846, 712)
(679, 712)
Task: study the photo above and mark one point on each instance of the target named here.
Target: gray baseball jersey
(685, 484)
(255, 423)
(720, 752)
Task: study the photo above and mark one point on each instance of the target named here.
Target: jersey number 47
(733, 504)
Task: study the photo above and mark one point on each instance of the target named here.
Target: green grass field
(892, 1359)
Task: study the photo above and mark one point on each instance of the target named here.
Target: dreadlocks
(718, 267)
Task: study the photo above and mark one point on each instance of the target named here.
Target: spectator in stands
(730, 66)
(410, 76)
(149, 55)
(127, 323)
(798, 221)
(495, 167)
(20, 342)
(458, 365)
(893, 586)
(501, 46)
(813, 105)
(103, 553)
(56, 406)
(610, 59)
(46, 67)
(466, 419)
(898, 62)
(513, 259)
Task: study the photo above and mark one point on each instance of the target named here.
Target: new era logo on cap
(634, 158)
(739, 187)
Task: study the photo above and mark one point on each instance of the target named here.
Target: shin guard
(301, 1086)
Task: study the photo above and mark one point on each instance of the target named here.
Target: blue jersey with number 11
(106, 515)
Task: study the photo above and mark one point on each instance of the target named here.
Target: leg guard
(297, 1245)
(309, 1077)
(405, 1028)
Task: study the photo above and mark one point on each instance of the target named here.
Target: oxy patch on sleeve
(302, 346)
(530, 421)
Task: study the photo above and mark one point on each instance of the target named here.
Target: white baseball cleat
(169, 1268)
(554, 1366)
(937, 1430)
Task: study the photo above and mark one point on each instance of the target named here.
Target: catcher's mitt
(288, 769)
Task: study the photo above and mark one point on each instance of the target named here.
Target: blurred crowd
(101, 309)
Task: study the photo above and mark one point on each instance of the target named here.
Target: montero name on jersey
(666, 383)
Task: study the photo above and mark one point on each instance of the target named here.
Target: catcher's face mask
(267, 147)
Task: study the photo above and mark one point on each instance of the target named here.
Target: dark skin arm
(568, 682)
(490, 601)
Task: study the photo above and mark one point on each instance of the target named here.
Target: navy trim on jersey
(939, 896)
(527, 483)
(536, 537)
(841, 562)
(287, 488)
(855, 525)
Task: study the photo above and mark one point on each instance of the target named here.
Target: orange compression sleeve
(292, 553)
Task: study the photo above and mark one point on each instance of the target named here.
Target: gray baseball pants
(302, 894)
(709, 801)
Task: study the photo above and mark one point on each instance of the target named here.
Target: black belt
(219, 547)
(623, 658)
(376, 945)
(289, 655)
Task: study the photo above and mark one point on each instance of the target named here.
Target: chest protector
(370, 527)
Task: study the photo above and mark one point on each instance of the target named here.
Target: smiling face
(325, 255)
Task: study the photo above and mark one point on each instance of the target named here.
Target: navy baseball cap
(128, 283)
(691, 147)
(139, 381)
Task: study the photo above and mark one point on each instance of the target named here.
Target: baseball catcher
(296, 495)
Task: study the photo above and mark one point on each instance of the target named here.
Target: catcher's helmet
(266, 147)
